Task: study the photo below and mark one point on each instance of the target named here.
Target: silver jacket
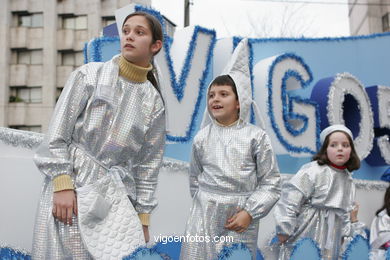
(102, 122)
(379, 235)
(232, 168)
(316, 203)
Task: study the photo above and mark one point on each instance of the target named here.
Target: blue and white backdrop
(301, 86)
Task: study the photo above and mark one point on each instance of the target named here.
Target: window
(25, 94)
(33, 128)
(24, 56)
(29, 20)
(107, 20)
(58, 93)
(385, 23)
(70, 58)
(74, 22)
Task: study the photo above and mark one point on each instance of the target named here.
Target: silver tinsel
(19, 138)
(31, 140)
(335, 112)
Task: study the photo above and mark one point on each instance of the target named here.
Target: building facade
(369, 16)
(42, 43)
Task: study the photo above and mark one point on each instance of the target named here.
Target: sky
(262, 18)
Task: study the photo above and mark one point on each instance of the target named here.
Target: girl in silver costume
(380, 230)
(317, 201)
(234, 177)
(109, 118)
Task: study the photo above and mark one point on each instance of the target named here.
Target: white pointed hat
(238, 69)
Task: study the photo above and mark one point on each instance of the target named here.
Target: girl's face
(223, 104)
(136, 41)
(339, 148)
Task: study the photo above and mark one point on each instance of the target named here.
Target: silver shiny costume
(379, 235)
(232, 167)
(102, 122)
(316, 203)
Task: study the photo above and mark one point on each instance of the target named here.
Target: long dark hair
(157, 34)
(322, 158)
(386, 203)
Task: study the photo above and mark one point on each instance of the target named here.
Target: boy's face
(223, 104)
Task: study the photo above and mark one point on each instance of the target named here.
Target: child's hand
(239, 222)
(64, 206)
(146, 233)
(354, 213)
(283, 238)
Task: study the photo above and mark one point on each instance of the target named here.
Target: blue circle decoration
(306, 248)
(357, 249)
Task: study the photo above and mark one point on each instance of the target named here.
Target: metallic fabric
(316, 203)
(231, 168)
(379, 235)
(102, 122)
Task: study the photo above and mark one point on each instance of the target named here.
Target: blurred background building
(369, 16)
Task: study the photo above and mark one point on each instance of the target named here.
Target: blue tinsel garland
(227, 251)
(178, 88)
(287, 111)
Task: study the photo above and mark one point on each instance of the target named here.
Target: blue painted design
(306, 248)
(144, 253)
(170, 249)
(236, 41)
(178, 87)
(7, 253)
(357, 249)
(96, 46)
(386, 175)
(322, 39)
(388, 254)
(287, 110)
(85, 52)
(235, 251)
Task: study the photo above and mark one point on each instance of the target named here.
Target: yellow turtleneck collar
(133, 72)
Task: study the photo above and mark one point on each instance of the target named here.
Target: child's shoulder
(311, 168)
(202, 133)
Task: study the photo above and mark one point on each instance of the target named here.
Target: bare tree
(287, 24)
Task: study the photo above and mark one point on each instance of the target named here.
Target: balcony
(65, 39)
(19, 37)
(18, 75)
(63, 73)
(25, 75)
(25, 37)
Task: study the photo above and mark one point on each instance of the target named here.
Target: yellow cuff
(62, 182)
(144, 217)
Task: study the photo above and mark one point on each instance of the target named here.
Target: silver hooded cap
(238, 69)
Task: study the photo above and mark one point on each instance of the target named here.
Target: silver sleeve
(195, 170)
(148, 162)
(294, 194)
(52, 157)
(267, 190)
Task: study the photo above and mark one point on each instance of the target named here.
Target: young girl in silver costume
(317, 201)
(380, 230)
(109, 118)
(234, 177)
